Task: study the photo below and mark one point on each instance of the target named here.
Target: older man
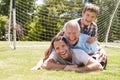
(78, 40)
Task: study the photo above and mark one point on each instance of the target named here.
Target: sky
(39, 2)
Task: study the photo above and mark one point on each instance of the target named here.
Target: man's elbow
(95, 67)
(100, 67)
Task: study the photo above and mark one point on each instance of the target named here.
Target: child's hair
(91, 7)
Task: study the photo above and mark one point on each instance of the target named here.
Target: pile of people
(76, 46)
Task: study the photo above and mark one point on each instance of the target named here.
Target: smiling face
(89, 13)
(72, 33)
(62, 49)
(88, 17)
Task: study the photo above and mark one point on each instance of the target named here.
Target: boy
(86, 23)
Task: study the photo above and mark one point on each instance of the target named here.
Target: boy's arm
(94, 37)
(91, 40)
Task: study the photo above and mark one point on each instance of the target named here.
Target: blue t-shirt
(82, 44)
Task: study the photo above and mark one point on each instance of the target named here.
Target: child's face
(88, 17)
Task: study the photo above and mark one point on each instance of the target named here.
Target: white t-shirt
(78, 57)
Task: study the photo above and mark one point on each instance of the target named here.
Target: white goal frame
(108, 30)
(12, 17)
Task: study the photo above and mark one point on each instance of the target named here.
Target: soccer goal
(114, 28)
(33, 24)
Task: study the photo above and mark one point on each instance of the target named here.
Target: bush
(3, 21)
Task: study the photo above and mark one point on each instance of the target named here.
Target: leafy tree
(3, 21)
(24, 9)
(4, 7)
(54, 14)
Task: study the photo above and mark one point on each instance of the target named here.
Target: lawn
(16, 65)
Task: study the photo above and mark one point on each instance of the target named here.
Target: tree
(3, 21)
(4, 7)
(53, 15)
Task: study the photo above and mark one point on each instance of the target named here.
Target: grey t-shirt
(78, 57)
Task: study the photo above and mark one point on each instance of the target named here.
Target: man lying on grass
(64, 58)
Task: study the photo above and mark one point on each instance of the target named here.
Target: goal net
(114, 28)
(40, 20)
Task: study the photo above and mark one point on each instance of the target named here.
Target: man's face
(72, 34)
(61, 49)
(88, 17)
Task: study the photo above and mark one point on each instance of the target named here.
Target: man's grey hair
(73, 23)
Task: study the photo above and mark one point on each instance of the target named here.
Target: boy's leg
(101, 57)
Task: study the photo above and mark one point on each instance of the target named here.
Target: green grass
(16, 65)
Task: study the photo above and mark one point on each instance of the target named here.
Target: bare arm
(50, 64)
(92, 65)
(91, 40)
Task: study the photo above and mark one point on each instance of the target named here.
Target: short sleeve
(53, 55)
(84, 57)
(81, 56)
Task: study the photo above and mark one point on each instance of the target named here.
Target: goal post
(109, 27)
(12, 24)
